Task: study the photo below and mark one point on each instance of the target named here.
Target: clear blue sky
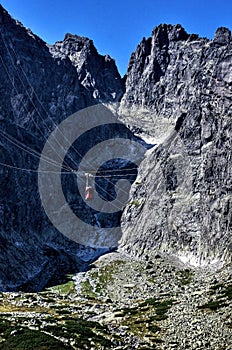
(116, 27)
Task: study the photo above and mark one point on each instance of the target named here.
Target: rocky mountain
(97, 73)
(40, 86)
(180, 86)
(177, 94)
(43, 84)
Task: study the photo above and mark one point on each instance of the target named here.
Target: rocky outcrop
(181, 202)
(97, 74)
(37, 90)
(41, 85)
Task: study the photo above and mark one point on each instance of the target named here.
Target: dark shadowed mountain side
(40, 86)
(180, 86)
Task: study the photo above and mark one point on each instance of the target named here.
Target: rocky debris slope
(181, 201)
(122, 303)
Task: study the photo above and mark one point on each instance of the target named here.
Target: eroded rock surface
(96, 73)
(41, 86)
(181, 201)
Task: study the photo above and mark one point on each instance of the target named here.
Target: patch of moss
(27, 339)
(161, 308)
(66, 288)
(64, 312)
(185, 277)
(224, 292)
(101, 279)
(228, 292)
(136, 202)
(129, 311)
(82, 331)
(149, 301)
(159, 318)
(140, 320)
(217, 286)
(85, 330)
(4, 325)
(158, 305)
(55, 329)
(154, 328)
(213, 305)
(87, 289)
(157, 340)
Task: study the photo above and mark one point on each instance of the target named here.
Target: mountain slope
(181, 202)
(40, 86)
(177, 93)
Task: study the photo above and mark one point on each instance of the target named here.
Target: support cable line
(29, 150)
(38, 99)
(23, 85)
(63, 172)
(34, 92)
(33, 152)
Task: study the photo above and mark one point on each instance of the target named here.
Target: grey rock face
(98, 74)
(181, 202)
(40, 86)
(37, 90)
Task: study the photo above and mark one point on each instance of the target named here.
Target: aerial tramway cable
(33, 152)
(31, 101)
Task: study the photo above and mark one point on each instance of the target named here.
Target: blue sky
(117, 27)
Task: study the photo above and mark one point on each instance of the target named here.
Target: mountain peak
(222, 36)
(75, 37)
(172, 32)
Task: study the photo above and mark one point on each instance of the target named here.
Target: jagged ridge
(183, 194)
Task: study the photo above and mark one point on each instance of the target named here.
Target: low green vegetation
(154, 328)
(87, 289)
(65, 288)
(136, 202)
(228, 292)
(222, 293)
(213, 305)
(82, 332)
(20, 338)
(144, 319)
(101, 279)
(185, 277)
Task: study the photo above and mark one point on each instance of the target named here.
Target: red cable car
(89, 193)
(89, 190)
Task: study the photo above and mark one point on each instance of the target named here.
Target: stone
(40, 86)
(179, 89)
(222, 36)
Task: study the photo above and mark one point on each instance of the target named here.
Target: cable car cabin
(89, 193)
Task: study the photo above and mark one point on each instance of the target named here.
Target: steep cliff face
(37, 90)
(181, 202)
(41, 86)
